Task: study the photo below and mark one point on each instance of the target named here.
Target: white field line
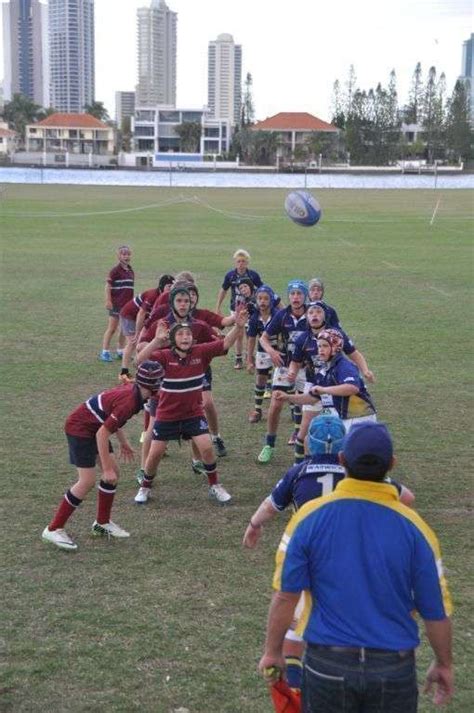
(174, 201)
(441, 292)
(391, 264)
(346, 243)
(435, 211)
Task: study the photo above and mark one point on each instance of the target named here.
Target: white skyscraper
(71, 42)
(156, 55)
(224, 78)
(467, 75)
(25, 50)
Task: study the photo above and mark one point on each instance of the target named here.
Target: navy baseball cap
(368, 450)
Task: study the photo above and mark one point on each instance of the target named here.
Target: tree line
(370, 123)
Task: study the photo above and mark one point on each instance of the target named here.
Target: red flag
(285, 699)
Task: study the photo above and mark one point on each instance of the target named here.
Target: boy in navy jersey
(180, 412)
(118, 291)
(306, 355)
(231, 281)
(259, 361)
(278, 340)
(88, 430)
(337, 385)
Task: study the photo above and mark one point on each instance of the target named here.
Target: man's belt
(362, 651)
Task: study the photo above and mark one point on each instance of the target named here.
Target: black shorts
(175, 430)
(207, 380)
(83, 451)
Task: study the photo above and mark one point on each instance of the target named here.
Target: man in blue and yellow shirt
(366, 563)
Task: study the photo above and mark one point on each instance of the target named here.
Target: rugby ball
(302, 208)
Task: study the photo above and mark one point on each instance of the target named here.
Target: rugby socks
(211, 472)
(297, 415)
(259, 391)
(294, 671)
(270, 439)
(147, 481)
(105, 500)
(299, 451)
(68, 504)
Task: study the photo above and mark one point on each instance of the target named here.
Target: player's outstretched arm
(361, 363)
(237, 330)
(262, 514)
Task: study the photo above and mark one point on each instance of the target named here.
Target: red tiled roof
(7, 133)
(76, 121)
(293, 121)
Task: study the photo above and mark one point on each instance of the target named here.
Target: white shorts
(317, 407)
(281, 381)
(348, 422)
(263, 360)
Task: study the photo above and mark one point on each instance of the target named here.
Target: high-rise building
(224, 78)
(156, 55)
(467, 71)
(124, 106)
(71, 43)
(25, 50)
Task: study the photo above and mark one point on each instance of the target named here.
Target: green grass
(175, 617)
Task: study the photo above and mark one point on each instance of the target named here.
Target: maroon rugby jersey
(213, 319)
(181, 389)
(121, 280)
(144, 301)
(202, 333)
(111, 408)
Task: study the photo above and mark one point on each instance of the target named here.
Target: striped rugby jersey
(111, 408)
(144, 300)
(122, 281)
(181, 389)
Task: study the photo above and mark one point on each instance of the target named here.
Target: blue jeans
(356, 682)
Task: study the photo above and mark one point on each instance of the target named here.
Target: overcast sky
(294, 50)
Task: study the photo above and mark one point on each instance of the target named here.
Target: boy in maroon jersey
(88, 429)
(180, 412)
(118, 291)
(132, 318)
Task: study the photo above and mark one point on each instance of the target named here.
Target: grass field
(174, 618)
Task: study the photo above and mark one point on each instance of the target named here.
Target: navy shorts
(207, 380)
(83, 451)
(175, 430)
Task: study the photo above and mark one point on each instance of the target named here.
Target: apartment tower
(157, 44)
(224, 79)
(71, 42)
(25, 50)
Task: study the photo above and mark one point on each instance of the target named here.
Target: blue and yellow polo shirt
(367, 563)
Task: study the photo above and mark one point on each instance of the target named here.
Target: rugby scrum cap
(326, 434)
(175, 328)
(298, 285)
(266, 289)
(368, 450)
(149, 375)
(316, 282)
(245, 281)
(164, 281)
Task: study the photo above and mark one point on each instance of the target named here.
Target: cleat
(292, 438)
(239, 363)
(267, 394)
(255, 416)
(143, 437)
(139, 475)
(141, 498)
(219, 446)
(105, 356)
(265, 454)
(198, 467)
(218, 493)
(60, 538)
(117, 356)
(110, 529)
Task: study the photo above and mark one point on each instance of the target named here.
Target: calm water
(182, 179)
